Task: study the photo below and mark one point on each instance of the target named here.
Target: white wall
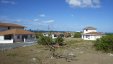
(53, 36)
(87, 31)
(6, 41)
(1, 37)
(45, 34)
(91, 37)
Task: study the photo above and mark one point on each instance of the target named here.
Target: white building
(90, 33)
(12, 33)
(52, 35)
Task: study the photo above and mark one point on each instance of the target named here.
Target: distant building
(12, 33)
(54, 34)
(58, 34)
(90, 33)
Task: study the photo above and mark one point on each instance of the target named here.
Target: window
(88, 36)
(86, 29)
(7, 37)
(55, 35)
(8, 28)
(18, 37)
(24, 36)
(31, 36)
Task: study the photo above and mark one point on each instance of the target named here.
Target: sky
(59, 15)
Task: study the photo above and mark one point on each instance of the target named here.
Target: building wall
(16, 28)
(45, 34)
(1, 37)
(6, 28)
(20, 39)
(16, 39)
(5, 41)
(91, 37)
(53, 36)
(3, 28)
(87, 31)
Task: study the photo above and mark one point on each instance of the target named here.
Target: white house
(90, 33)
(12, 33)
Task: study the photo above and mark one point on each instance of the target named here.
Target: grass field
(77, 51)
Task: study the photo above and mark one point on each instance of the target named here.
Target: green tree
(77, 35)
(105, 43)
(44, 40)
(59, 40)
(38, 34)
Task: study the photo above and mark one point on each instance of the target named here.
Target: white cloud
(44, 22)
(7, 2)
(42, 15)
(18, 20)
(84, 3)
(49, 21)
(36, 19)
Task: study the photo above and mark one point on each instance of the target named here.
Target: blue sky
(61, 15)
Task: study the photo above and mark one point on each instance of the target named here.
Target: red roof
(15, 31)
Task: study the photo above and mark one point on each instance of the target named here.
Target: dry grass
(83, 53)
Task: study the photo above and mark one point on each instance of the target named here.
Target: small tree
(77, 34)
(59, 40)
(38, 35)
(44, 40)
(105, 43)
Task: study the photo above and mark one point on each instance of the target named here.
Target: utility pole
(49, 33)
(48, 28)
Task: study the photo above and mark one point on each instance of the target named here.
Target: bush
(44, 40)
(38, 35)
(59, 40)
(105, 43)
(77, 35)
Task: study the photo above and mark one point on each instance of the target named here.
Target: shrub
(44, 40)
(59, 40)
(38, 35)
(77, 35)
(105, 43)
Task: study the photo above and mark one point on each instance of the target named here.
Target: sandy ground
(76, 51)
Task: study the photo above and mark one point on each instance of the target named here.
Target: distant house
(12, 33)
(54, 34)
(90, 33)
